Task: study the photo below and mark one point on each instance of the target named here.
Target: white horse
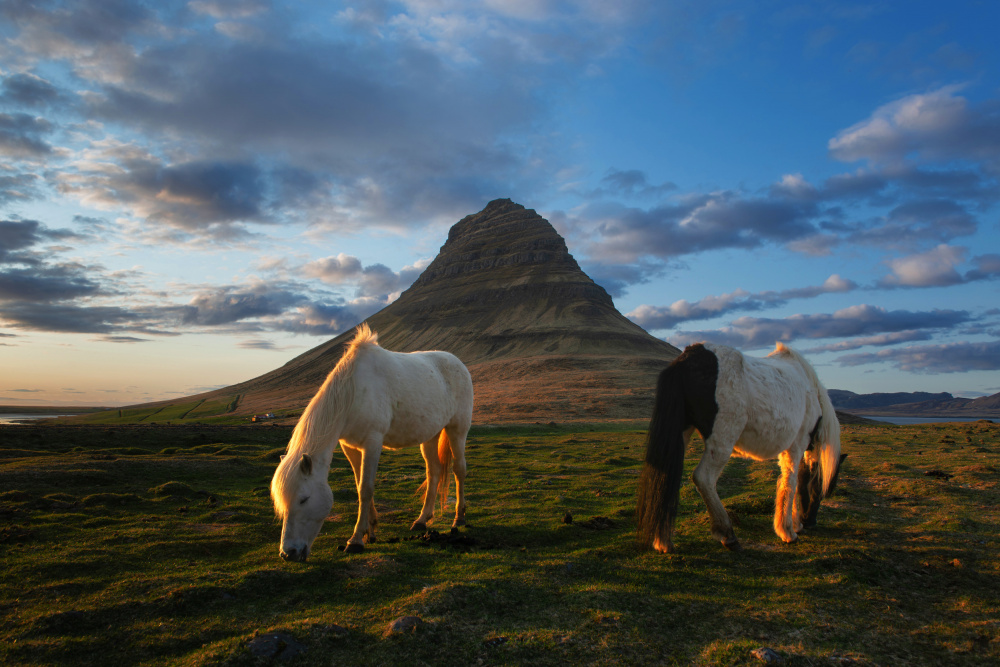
(759, 408)
(373, 399)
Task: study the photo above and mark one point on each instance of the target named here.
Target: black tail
(660, 482)
(685, 398)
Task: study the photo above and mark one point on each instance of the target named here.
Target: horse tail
(660, 480)
(444, 456)
(827, 438)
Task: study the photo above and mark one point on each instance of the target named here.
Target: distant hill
(916, 404)
(848, 400)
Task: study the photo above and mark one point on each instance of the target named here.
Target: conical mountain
(542, 340)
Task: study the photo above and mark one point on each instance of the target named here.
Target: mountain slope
(542, 340)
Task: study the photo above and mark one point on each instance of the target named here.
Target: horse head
(303, 499)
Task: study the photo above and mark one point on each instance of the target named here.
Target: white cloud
(934, 268)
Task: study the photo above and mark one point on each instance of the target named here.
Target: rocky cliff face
(505, 286)
(541, 339)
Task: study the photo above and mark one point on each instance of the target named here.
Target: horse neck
(324, 418)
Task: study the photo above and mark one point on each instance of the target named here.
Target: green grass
(157, 545)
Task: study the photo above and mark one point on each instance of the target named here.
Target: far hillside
(916, 404)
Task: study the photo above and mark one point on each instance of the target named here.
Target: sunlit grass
(158, 546)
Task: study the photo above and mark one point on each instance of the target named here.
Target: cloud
(616, 278)
(939, 125)
(225, 305)
(198, 197)
(693, 224)
(629, 183)
(335, 270)
(68, 318)
(45, 284)
(879, 340)
(654, 317)
(945, 358)
(28, 90)
(860, 320)
(987, 268)
(257, 344)
(318, 319)
(21, 136)
(935, 268)
(124, 339)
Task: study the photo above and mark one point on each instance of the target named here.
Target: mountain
(542, 340)
(848, 400)
(916, 404)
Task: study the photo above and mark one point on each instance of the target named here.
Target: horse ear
(307, 464)
(282, 457)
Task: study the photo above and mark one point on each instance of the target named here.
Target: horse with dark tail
(767, 408)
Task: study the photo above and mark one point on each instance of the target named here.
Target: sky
(194, 192)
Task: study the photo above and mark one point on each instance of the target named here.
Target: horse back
(410, 396)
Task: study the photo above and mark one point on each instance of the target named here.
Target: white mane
(322, 418)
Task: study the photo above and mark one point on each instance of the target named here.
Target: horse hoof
(663, 547)
(732, 545)
(418, 525)
(354, 548)
(458, 522)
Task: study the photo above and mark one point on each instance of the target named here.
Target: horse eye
(304, 500)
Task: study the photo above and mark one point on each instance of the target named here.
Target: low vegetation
(157, 545)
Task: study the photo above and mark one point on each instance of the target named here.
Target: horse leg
(784, 501)
(705, 478)
(457, 439)
(370, 454)
(433, 465)
(354, 456)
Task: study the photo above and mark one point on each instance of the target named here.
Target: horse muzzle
(296, 555)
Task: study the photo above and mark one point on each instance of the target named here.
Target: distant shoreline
(49, 409)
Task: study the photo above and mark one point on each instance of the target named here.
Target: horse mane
(323, 418)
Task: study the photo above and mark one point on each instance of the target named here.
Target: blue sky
(192, 193)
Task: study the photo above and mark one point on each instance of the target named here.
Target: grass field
(157, 545)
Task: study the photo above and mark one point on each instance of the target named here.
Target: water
(18, 418)
(909, 421)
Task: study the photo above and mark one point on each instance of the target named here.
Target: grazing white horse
(759, 408)
(373, 399)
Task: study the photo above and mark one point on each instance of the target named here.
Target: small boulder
(404, 625)
(276, 646)
(767, 655)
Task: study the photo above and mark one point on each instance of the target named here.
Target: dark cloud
(916, 222)
(21, 136)
(257, 344)
(880, 340)
(27, 90)
(861, 320)
(945, 358)
(18, 235)
(987, 268)
(397, 134)
(193, 196)
(124, 339)
(655, 317)
(68, 318)
(46, 284)
(319, 319)
(629, 183)
(698, 223)
(226, 305)
(19, 187)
